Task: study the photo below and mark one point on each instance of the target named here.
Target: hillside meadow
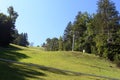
(57, 65)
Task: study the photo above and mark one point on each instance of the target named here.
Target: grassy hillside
(62, 60)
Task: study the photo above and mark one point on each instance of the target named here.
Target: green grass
(63, 60)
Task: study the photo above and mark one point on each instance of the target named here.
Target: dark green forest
(97, 33)
(8, 32)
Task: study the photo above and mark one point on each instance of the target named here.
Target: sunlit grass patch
(62, 60)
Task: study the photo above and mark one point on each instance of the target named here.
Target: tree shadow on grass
(18, 72)
(11, 53)
(11, 71)
(53, 70)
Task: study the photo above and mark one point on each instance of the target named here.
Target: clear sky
(43, 19)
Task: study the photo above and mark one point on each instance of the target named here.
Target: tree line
(97, 33)
(8, 32)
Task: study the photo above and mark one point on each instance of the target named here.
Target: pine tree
(21, 39)
(67, 37)
(107, 23)
(79, 30)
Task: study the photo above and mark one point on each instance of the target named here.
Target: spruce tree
(107, 24)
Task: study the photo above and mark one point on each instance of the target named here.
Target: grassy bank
(63, 60)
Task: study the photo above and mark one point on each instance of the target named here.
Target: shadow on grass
(52, 69)
(11, 71)
(10, 47)
(11, 53)
(18, 72)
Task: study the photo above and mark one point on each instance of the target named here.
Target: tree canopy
(97, 33)
(7, 27)
(8, 32)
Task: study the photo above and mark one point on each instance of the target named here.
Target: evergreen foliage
(7, 27)
(51, 44)
(21, 39)
(97, 33)
(8, 32)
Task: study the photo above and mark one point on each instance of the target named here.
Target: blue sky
(43, 19)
